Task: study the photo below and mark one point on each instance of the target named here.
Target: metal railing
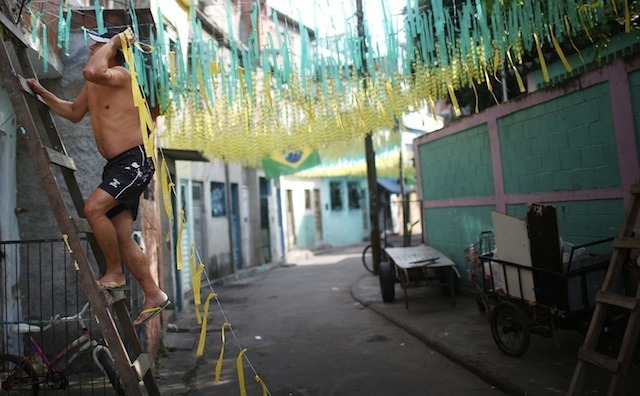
(38, 279)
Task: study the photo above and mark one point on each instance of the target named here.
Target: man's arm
(73, 111)
(97, 69)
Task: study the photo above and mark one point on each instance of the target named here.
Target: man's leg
(135, 260)
(96, 208)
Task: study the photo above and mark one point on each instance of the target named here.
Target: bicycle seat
(23, 328)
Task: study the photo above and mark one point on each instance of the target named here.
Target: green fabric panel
(452, 230)
(566, 143)
(634, 87)
(457, 166)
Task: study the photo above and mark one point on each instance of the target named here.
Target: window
(353, 189)
(218, 207)
(335, 188)
(307, 199)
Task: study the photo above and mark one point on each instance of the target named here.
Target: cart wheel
(387, 281)
(510, 329)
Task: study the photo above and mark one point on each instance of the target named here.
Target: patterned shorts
(125, 178)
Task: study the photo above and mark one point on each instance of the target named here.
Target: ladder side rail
(627, 349)
(54, 136)
(52, 190)
(129, 331)
(614, 272)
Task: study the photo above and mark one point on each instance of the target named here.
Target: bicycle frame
(53, 366)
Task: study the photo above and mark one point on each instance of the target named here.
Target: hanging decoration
(245, 102)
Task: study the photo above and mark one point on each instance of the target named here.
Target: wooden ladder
(132, 366)
(608, 297)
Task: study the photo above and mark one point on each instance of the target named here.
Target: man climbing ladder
(113, 206)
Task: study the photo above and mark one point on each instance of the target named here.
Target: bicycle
(17, 372)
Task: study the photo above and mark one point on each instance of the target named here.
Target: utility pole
(372, 177)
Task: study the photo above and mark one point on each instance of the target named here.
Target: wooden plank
(142, 364)
(13, 29)
(599, 360)
(60, 159)
(616, 299)
(626, 243)
(27, 88)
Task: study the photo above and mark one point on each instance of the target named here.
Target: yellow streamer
(172, 68)
(197, 282)
(146, 124)
(179, 241)
(267, 89)
(166, 190)
(392, 97)
(221, 357)
(241, 384)
(65, 237)
(265, 391)
(454, 100)
(383, 114)
(568, 28)
(627, 17)
(516, 72)
(203, 90)
(556, 45)
(203, 329)
(543, 63)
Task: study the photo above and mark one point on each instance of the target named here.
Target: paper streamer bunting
(268, 95)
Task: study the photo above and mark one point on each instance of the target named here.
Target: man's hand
(35, 86)
(128, 34)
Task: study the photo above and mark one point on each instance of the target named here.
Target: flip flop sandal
(153, 311)
(111, 285)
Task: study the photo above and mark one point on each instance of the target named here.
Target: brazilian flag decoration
(287, 162)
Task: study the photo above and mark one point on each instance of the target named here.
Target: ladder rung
(619, 300)
(635, 189)
(27, 88)
(82, 225)
(113, 296)
(142, 365)
(61, 159)
(626, 243)
(599, 360)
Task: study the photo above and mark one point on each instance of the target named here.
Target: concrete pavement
(461, 333)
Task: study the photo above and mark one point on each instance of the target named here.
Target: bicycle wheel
(510, 329)
(367, 259)
(109, 368)
(16, 374)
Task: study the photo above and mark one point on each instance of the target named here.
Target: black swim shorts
(125, 178)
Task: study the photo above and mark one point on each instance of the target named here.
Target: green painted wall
(457, 166)
(563, 144)
(583, 221)
(634, 87)
(452, 230)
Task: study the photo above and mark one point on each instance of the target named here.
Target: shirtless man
(113, 206)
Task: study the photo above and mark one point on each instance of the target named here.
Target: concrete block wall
(574, 146)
